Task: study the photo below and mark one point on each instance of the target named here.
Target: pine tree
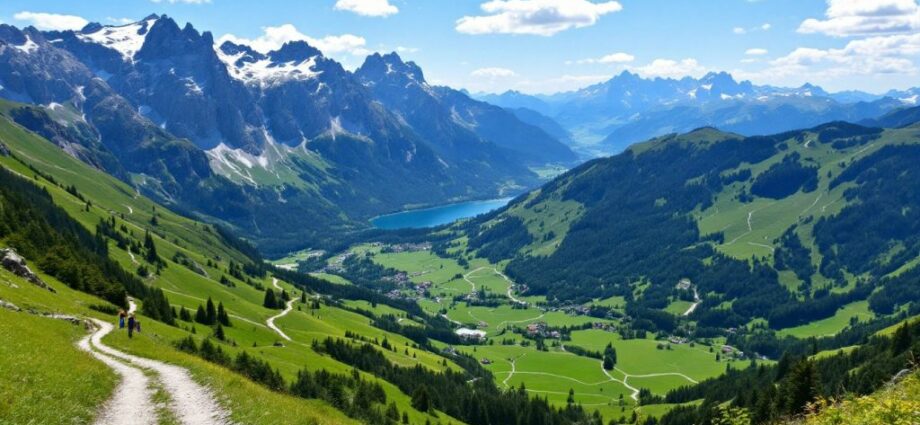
(184, 315)
(303, 297)
(901, 340)
(219, 333)
(222, 317)
(211, 312)
(801, 387)
(201, 316)
(152, 256)
(421, 400)
(284, 296)
(270, 301)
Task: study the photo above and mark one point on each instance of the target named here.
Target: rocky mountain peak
(390, 67)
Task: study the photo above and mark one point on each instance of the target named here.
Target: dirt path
(696, 302)
(287, 309)
(513, 369)
(190, 402)
(133, 396)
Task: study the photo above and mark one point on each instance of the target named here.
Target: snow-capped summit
(127, 40)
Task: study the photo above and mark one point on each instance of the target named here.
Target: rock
(4, 150)
(9, 306)
(16, 264)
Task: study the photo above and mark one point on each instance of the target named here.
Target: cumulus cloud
(669, 68)
(613, 58)
(51, 21)
(845, 18)
(376, 8)
(535, 17)
(404, 49)
(756, 52)
(873, 57)
(493, 73)
(273, 38)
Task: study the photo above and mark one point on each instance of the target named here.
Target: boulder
(4, 150)
(16, 264)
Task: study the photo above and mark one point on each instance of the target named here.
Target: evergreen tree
(152, 256)
(421, 400)
(222, 317)
(610, 357)
(902, 339)
(270, 301)
(801, 387)
(303, 297)
(211, 312)
(284, 296)
(184, 315)
(219, 333)
(201, 316)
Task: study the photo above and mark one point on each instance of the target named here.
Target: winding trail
(190, 402)
(513, 369)
(287, 309)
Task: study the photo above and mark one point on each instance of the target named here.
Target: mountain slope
(810, 220)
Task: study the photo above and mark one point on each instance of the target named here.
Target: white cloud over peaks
(756, 52)
(493, 73)
(377, 8)
(865, 17)
(613, 58)
(275, 37)
(51, 21)
(535, 17)
(668, 68)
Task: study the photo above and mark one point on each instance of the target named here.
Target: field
(833, 324)
(514, 360)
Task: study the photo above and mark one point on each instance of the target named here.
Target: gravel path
(287, 309)
(132, 401)
(190, 402)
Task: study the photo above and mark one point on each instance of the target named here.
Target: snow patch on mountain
(28, 47)
(264, 72)
(126, 39)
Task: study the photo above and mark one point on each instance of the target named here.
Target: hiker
(121, 319)
(131, 323)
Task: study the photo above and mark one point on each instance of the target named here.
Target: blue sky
(543, 46)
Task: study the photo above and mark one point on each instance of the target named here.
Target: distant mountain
(285, 145)
(899, 118)
(452, 119)
(547, 124)
(609, 116)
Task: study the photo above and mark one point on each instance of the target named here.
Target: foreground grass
(44, 378)
(899, 405)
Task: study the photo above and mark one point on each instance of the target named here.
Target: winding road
(287, 309)
(132, 402)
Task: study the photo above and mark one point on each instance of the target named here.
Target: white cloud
(51, 21)
(535, 17)
(404, 49)
(377, 8)
(766, 26)
(872, 57)
(756, 52)
(864, 17)
(493, 73)
(275, 37)
(668, 68)
(613, 58)
(182, 1)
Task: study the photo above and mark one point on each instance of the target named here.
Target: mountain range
(281, 145)
(609, 116)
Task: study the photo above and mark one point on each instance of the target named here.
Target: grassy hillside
(197, 263)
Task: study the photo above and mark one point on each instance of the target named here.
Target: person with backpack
(131, 324)
(121, 319)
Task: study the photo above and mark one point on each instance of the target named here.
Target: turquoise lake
(435, 216)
